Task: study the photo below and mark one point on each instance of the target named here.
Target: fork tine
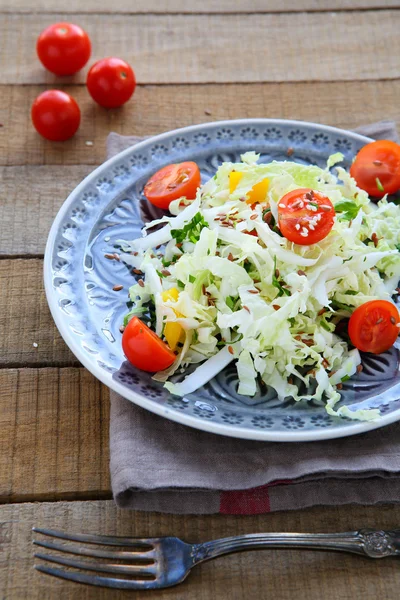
(109, 582)
(104, 540)
(98, 566)
(139, 556)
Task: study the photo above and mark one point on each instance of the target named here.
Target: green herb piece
(191, 230)
(231, 301)
(347, 210)
(160, 274)
(192, 279)
(325, 325)
(346, 378)
(379, 185)
(351, 293)
(180, 284)
(277, 284)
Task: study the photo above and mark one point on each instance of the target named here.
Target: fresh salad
(288, 270)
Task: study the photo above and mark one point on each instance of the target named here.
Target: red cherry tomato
(372, 326)
(173, 182)
(144, 349)
(55, 115)
(63, 48)
(111, 82)
(305, 216)
(376, 168)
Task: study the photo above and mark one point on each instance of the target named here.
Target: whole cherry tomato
(111, 82)
(144, 349)
(373, 326)
(173, 182)
(305, 216)
(55, 115)
(63, 48)
(376, 168)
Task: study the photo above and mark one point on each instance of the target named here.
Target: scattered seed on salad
(231, 350)
(325, 363)
(137, 271)
(392, 320)
(109, 256)
(253, 291)
(290, 151)
(300, 272)
(165, 272)
(246, 308)
(253, 217)
(277, 273)
(282, 205)
(378, 163)
(325, 207)
(122, 328)
(141, 282)
(118, 287)
(374, 239)
(298, 226)
(230, 257)
(290, 380)
(116, 257)
(135, 253)
(321, 312)
(208, 113)
(89, 143)
(276, 306)
(339, 386)
(380, 320)
(35, 344)
(107, 238)
(359, 368)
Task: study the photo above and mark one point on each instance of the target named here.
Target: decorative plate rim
(136, 398)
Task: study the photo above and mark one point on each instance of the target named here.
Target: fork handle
(368, 542)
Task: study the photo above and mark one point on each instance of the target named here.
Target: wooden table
(195, 62)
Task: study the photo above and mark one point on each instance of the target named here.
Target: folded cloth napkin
(159, 465)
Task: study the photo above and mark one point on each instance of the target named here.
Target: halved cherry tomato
(376, 168)
(173, 182)
(305, 216)
(55, 115)
(111, 82)
(373, 326)
(63, 48)
(144, 349)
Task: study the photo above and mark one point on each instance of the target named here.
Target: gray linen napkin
(159, 465)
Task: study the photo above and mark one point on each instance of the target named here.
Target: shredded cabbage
(269, 304)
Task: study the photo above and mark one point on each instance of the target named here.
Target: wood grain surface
(155, 109)
(54, 435)
(333, 62)
(187, 7)
(278, 574)
(166, 49)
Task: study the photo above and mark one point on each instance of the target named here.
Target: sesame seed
(392, 320)
(118, 287)
(88, 143)
(325, 207)
(107, 239)
(311, 207)
(281, 205)
(122, 328)
(298, 226)
(35, 344)
(311, 226)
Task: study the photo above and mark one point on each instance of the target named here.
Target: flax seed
(141, 282)
(118, 287)
(339, 386)
(253, 217)
(109, 256)
(359, 368)
(253, 291)
(290, 151)
(246, 308)
(230, 256)
(276, 306)
(300, 272)
(137, 271)
(231, 350)
(165, 272)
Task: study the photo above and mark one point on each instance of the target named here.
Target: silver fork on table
(153, 563)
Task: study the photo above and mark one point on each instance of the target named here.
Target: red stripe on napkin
(254, 501)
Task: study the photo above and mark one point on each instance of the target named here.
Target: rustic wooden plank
(185, 7)
(155, 109)
(220, 48)
(282, 574)
(54, 435)
(25, 318)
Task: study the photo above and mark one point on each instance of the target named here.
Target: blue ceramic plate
(108, 205)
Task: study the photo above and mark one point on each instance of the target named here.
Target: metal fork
(154, 563)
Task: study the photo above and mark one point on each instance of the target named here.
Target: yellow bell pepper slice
(257, 192)
(173, 332)
(234, 179)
